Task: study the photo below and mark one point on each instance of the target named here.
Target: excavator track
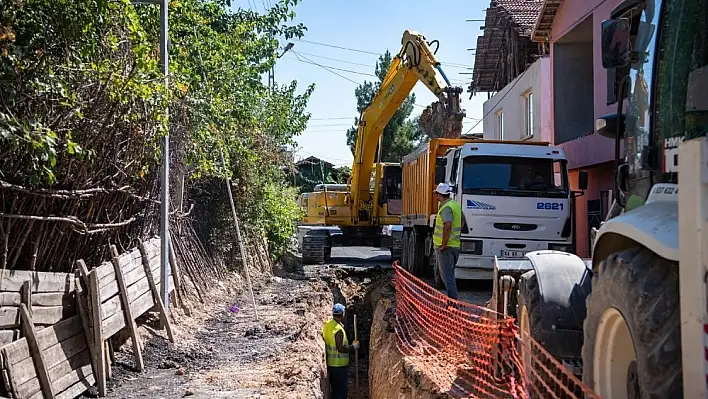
(315, 249)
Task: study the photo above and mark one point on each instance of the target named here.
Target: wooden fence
(55, 328)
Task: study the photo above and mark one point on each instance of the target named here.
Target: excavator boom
(415, 62)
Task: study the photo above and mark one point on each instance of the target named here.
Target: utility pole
(271, 73)
(165, 170)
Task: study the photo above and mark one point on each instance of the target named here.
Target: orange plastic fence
(470, 351)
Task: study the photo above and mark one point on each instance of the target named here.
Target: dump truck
(633, 320)
(515, 198)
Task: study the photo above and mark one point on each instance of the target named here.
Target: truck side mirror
(606, 126)
(616, 49)
(583, 180)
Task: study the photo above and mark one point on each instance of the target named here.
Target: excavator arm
(415, 62)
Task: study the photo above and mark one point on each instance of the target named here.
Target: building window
(528, 115)
(500, 124)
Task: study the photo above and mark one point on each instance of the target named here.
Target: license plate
(512, 254)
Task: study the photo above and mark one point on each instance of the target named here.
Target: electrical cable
(325, 68)
(334, 68)
(450, 64)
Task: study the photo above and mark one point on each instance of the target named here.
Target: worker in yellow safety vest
(337, 350)
(446, 237)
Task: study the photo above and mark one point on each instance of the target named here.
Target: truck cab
(515, 198)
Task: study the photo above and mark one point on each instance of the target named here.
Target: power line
(336, 124)
(337, 60)
(333, 68)
(331, 119)
(451, 64)
(325, 68)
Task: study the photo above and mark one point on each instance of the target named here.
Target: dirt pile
(391, 375)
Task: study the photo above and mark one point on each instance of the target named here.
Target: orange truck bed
(419, 180)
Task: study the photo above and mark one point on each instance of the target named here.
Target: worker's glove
(355, 344)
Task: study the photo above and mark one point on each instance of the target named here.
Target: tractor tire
(417, 254)
(530, 321)
(635, 301)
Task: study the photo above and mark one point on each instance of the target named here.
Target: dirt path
(226, 353)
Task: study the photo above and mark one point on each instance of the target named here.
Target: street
(475, 292)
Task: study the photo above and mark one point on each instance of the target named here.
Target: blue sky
(371, 26)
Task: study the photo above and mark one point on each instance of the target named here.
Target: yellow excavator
(372, 199)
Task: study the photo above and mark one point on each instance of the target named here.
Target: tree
(400, 134)
(82, 112)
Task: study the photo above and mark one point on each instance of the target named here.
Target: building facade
(581, 92)
(521, 110)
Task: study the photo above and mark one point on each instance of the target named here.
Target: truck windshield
(514, 176)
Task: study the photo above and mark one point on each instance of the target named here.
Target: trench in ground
(359, 291)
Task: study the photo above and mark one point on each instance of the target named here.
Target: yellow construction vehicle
(373, 198)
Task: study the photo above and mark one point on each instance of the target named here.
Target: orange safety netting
(470, 351)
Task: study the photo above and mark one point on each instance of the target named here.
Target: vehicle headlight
(559, 247)
(471, 247)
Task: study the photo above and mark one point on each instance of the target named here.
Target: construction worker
(446, 237)
(337, 350)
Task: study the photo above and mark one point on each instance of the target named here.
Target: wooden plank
(97, 342)
(134, 276)
(143, 304)
(156, 295)
(174, 267)
(10, 299)
(47, 337)
(85, 316)
(63, 375)
(130, 261)
(53, 299)
(9, 317)
(6, 382)
(129, 320)
(78, 388)
(36, 353)
(111, 288)
(8, 336)
(113, 305)
(44, 315)
(109, 370)
(105, 269)
(116, 322)
(26, 295)
(12, 280)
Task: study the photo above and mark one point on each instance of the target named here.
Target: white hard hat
(443, 188)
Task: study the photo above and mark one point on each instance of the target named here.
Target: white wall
(537, 80)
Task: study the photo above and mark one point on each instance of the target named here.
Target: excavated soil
(391, 375)
(222, 351)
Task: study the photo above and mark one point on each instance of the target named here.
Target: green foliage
(400, 134)
(83, 101)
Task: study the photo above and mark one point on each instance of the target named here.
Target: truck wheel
(404, 250)
(437, 279)
(632, 345)
(417, 253)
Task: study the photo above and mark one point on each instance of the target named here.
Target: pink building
(581, 91)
